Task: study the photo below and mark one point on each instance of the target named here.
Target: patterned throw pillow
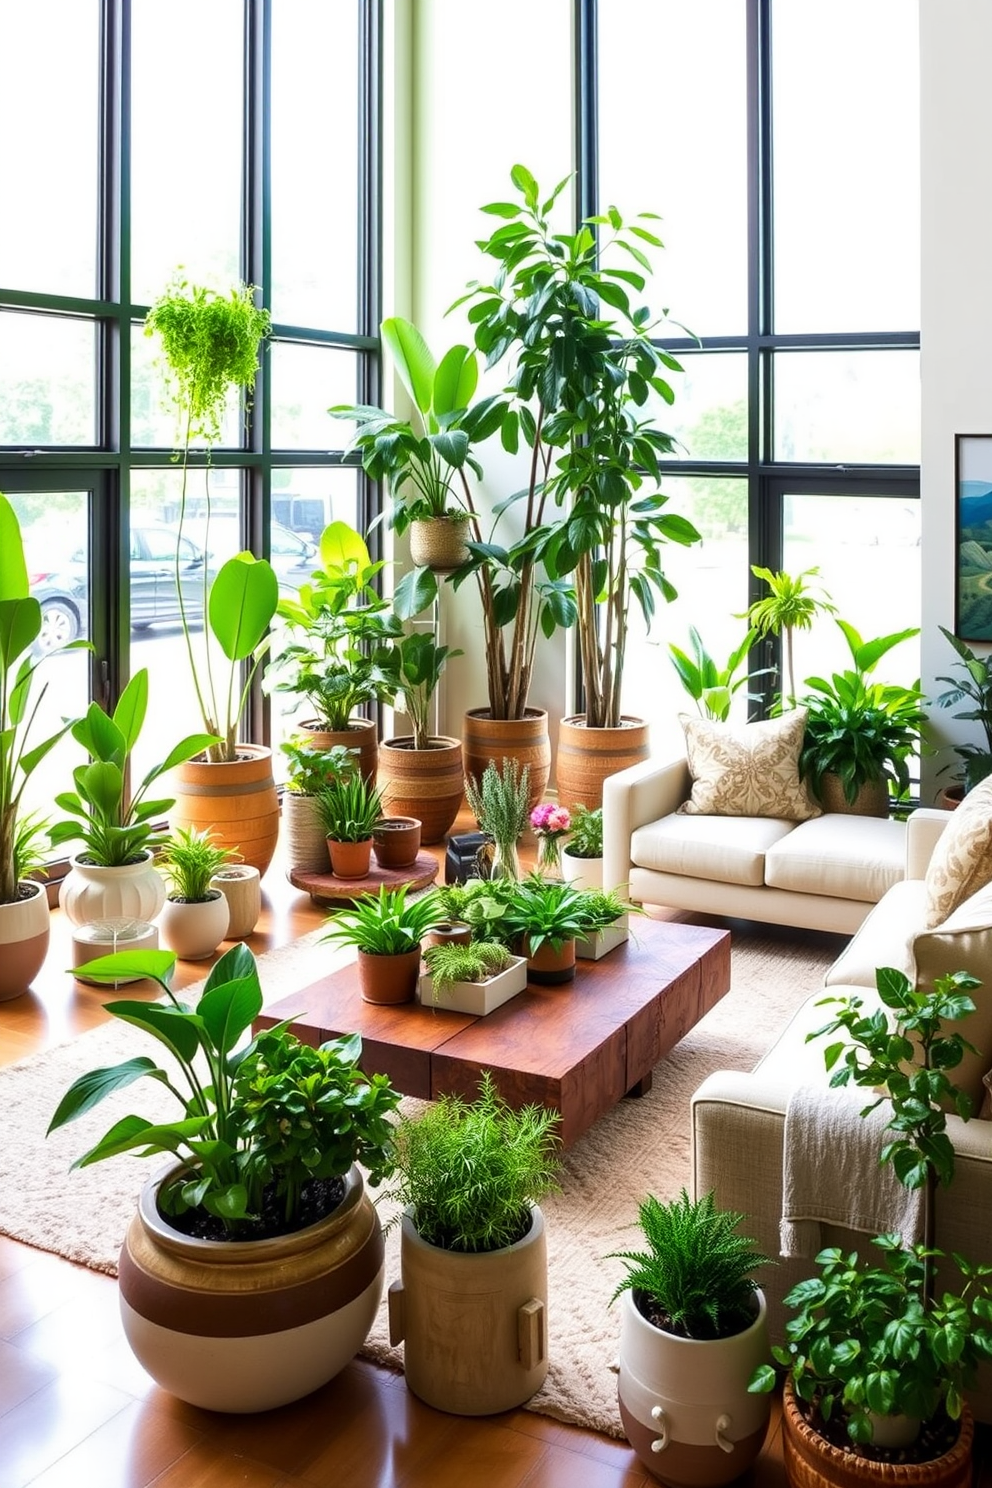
(962, 859)
(749, 769)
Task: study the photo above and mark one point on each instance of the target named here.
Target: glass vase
(549, 856)
(506, 861)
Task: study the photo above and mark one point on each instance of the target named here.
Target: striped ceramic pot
(247, 1325)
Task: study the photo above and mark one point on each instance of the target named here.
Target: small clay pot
(550, 966)
(396, 841)
(350, 859)
(388, 979)
(452, 932)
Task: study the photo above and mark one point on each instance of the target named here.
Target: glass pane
(867, 551)
(848, 406)
(853, 167)
(48, 180)
(306, 382)
(47, 373)
(709, 415)
(55, 529)
(315, 214)
(711, 578)
(674, 141)
(153, 422)
(186, 143)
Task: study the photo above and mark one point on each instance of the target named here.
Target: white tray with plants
(475, 978)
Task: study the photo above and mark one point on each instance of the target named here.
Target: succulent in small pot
(349, 808)
(195, 917)
(386, 929)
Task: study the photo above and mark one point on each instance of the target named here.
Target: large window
(791, 230)
(230, 140)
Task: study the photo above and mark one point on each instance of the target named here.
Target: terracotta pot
(362, 735)
(439, 543)
(236, 802)
(473, 1326)
(426, 783)
(950, 797)
(812, 1462)
(388, 979)
(586, 756)
(684, 1402)
(454, 932)
(550, 966)
(396, 841)
(24, 934)
(581, 873)
(90, 893)
(248, 1325)
(194, 930)
(350, 859)
(240, 885)
(524, 739)
(872, 798)
(303, 834)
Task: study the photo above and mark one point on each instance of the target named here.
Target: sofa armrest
(923, 828)
(631, 798)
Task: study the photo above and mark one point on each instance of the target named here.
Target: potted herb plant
(582, 851)
(386, 930)
(480, 905)
(24, 916)
(473, 978)
(880, 1355)
(606, 927)
(470, 1175)
(499, 803)
(693, 1332)
(545, 918)
(310, 770)
(349, 808)
(113, 875)
(252, 1271)
(421, 774)
(210, 345)
(195, 915)
(975, 685)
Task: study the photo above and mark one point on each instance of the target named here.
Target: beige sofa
(825, 874)
(738, 1119)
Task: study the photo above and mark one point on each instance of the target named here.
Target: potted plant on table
(582, 852)
(693, 1332)
(470, 1176)
(195, 915)
(499, 804)
(879, 1359)
(386, 930)
(310, 771)
(252, 1271)
(210, 344)
(24, 916)
(473, 978)
(976, 685)
(349, 809)
(545, 918)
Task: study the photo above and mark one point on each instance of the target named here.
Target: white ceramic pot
(684, 1402)
(583, 873)
(241, 886)
(194, 930)
(24, 930)
(91, 893)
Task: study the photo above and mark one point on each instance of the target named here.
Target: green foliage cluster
(788, 606)
(421, 663)
(585, 838)
(697, 1271)
(976, 685)
(603, 907)
(481, 903)
(548, 912)
(711, 686)
(310, 770)
(469, 1171)
(189, 860)
(387, 923)
(474, 962)
(348, 808)
(267, 1111)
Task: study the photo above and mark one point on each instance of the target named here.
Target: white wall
(956, 315)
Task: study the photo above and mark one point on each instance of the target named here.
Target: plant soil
(660, 1319)
(318, 1198)
(936, 1437)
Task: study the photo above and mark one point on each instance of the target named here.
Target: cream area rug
(641, 1147)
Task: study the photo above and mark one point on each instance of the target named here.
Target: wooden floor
(76, 1410)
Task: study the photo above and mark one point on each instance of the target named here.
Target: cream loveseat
(739, 1120)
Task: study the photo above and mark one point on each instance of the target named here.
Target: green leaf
(524, 182)
(455, 380)
(90, 1089)
(227, 1011)
(129, 715)
(503, 209)
(415, 592)
(413, 359)
(13, 569)
(20, 626)
(242, 602)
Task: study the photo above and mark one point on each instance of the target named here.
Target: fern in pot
(692, 1333)
(472, 978)
(195, 915)
(471, 1174)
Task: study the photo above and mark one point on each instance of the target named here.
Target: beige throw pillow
(963, 943)
(749, 769)
(962, 859)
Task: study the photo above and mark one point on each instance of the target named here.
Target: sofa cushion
(884, 939)
(749, 769)
(842, 856)
(962, 858)
(963, 943)
(728, 849)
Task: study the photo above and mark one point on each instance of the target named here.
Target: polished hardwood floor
(77, 1410)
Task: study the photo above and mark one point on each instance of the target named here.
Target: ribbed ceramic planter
(684, 1402)
(24, 934)
(194, 930)
(240, 884)
(872, 798)
(303, 836)
(236, 802)
(362, 735)
(812, 1462)
(474, 1327)
(581, 873)
(90, 893)
(248, 1325)
(586, 756)
(396, 841)
(439, 543)
(350, 859)
(388, 979)
(426, 783)
(524, 739)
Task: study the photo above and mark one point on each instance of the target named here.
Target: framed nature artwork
(973, 485)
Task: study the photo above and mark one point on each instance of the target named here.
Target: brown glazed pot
(362, 735)
(248, 1325)
(388, 979)
(236, 802)
(524, 739)
(396, 841)
(24, 934)
(425, 783)
(586, 756)
(550, 966)
(812, 1462)
(350, 859)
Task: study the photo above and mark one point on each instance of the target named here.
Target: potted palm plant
(210, 345)
(421, 774)
(386, 930)
(789, 605)
(252, 1271)
(349, 809)
(24, 917)
(195, 915)
(693, 1332)
(470, 1175)
(975, 685)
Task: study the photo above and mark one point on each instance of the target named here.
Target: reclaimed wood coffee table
(578, 1049)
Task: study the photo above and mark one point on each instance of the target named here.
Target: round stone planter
(240, 884)
(24, 935)
(235, 801)
(194, 930)
(586, 756)
(248, 1325)
(91, 893)
(424, 783)
(526, 740)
